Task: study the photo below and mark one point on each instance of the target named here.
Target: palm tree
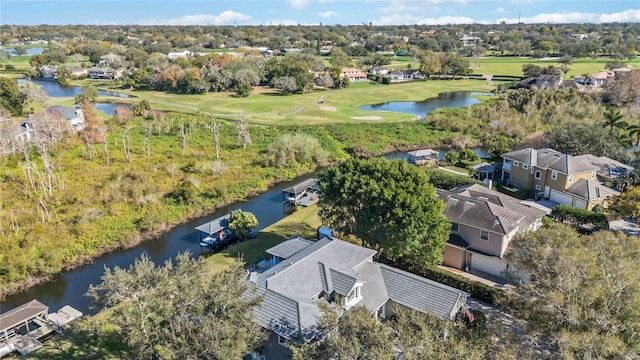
(634, 133)
(613, 120)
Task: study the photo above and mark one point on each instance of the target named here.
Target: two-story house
(302, 274)
(353, 74)
(483, 223)
(559, 177)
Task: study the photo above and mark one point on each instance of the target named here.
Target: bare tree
(213, 125)
(243, 131)
(147, 134)
(183, 137)
(126, 143)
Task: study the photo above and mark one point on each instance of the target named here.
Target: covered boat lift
(305, 193)
(214, 226)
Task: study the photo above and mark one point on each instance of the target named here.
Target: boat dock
(305, 193)
(214, 226)
(23, 328)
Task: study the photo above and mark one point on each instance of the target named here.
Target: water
(422, 108)
(110, 108)
(69, 287)
(54, 89)
(30, 51)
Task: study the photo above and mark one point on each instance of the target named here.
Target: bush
(582, 220)
(9, 67)
(476, 290)
(447, 181)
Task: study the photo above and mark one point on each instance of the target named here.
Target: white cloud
(630, 15)
(406, 19)
(329, 14)
(500, 10)
(224, 18)
(299, 4)
(324, 1)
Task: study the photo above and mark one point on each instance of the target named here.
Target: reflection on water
(422, 108)
(54, 89)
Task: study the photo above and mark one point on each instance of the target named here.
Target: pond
(54, 89)
(110, 108)
(422, 108)
(30, 51)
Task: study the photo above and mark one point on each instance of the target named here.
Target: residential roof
(547, 77)
(484, 167)
(67, 112)
(602, 75)
(289, 247)
(590, 190)
(352, 70)
(291, 288)
(482, 208)
(421, 294)
(22, 313)
(457, 240)
(424, 152)
(551, 159)
(215, 225)
(607, 167)
(298, 188)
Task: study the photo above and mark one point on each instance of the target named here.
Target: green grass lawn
(266, 106)
(513, 65)
(304, 222)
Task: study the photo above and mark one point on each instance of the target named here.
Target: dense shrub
(9, 67)
(447, 181)
(580, 219)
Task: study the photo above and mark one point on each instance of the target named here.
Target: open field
(513, 65)
(267, 106)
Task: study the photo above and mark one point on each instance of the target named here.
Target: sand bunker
(328, 108)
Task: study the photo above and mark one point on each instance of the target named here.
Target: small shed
(214, 226)
(422, 157)
(485, 170)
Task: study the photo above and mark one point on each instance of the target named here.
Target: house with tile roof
(483, 223)
(556, 176)
(353, 74)
(302, 274)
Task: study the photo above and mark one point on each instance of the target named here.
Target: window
(593, 174)
(570, 178)
(538, 187)
(538, 174)
(554, 175)
(353, 297)
(283, 341)
(454, 227)
(515, 163)
(484, 235)
(525, 166)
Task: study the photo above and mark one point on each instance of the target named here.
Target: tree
(389, 205)
(10, 97)
(452, 157)
(286, 84)
(340, 58)
(325, 80)
(430, 63)
(580, 138)
(20, 50)
(242, 222)
(174, 312)
(243, 131)
(624, 90)
(628, 202)
(244, 90)
(614, 120)
(141, 109)
(89, 95)
(583, 297)
(531, 70)
(299, 148)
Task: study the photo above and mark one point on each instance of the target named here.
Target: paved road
(627, 227)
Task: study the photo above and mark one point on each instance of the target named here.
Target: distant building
(354, 74)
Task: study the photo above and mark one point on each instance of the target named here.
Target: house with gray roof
(303, 274)
(550, 174)
(483, 223)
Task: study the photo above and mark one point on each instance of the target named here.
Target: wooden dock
(23, 328)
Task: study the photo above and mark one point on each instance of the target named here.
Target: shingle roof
(66, 112)
(289, 248)
(309, 183)
(482, 208)
(484, 167)
(421, 294)
(607, 167)
(291, 288)
(590, 190)
(215, 225)
(23, 312)
(424, 152)
(551, 159)
(457, 240)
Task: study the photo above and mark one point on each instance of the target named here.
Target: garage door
(581, 204)
(488, 264)
(561, 198)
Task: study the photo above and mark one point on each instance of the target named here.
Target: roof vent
(496, 222)
(483, 198)
(469, 203)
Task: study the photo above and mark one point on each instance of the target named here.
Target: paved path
(627, 227)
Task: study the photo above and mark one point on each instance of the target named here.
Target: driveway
(626, 226)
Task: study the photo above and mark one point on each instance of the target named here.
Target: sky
(313, 12)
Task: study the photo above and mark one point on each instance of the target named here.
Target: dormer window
(593, 174)
(454, 227)
(353, 297)
(515, 163)
(570, 178)
(554, 175)
(538, 174)
(525, 166)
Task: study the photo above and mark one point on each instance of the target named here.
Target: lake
(110, 108)
(422, 108)
(54, 89)
(30, 51)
